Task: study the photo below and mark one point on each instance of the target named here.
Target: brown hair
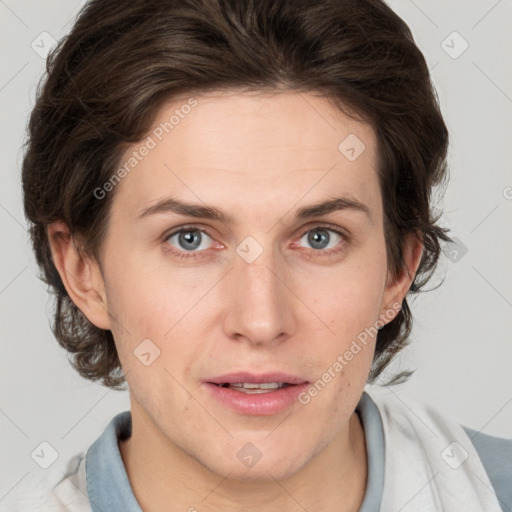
(107, 80)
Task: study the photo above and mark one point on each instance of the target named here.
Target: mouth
(254, 389)
(244, 381)
(253, 394)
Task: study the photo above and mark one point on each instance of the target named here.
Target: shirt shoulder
(59, 489)
(421, 435)
(496, 456)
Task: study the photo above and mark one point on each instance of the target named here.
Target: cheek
(156, 303)
(347, 299)
(146, 295)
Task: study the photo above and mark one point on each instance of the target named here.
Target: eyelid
(193, 227)
(332, 227)
(187, 227)
(181, 254)
(313, 225)
(340, 247)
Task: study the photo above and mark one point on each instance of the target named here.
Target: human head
(108, 80)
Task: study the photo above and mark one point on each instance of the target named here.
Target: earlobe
(80, 275)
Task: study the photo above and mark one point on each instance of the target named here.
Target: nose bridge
(260, 307)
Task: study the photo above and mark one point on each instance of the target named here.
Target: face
(269, 287)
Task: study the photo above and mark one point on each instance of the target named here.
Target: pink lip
(263, 404)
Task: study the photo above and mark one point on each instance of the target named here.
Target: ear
(80, 274)
(397, 287)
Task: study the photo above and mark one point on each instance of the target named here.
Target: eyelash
(197, 254)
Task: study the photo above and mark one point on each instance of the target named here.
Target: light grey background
(461, 343)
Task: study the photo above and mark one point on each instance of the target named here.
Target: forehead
(259, 146)
(262, 123)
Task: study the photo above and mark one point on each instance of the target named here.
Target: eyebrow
(172, 205)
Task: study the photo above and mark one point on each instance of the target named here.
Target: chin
(251, 465)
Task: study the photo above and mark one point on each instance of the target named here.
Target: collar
(108, 487)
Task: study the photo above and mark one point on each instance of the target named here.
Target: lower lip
(261, 404)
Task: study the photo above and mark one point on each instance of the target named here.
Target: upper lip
(243, 376)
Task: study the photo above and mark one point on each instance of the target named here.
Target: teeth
(251, 387)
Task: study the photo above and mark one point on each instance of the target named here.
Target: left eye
(320, 238)
(189, 239)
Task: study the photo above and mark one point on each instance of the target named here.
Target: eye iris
(190, 237)
(318, 237)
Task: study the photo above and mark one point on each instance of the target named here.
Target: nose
(261, 306)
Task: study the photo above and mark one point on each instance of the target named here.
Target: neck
(335, 479)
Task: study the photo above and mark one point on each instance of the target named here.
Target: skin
(296, 308)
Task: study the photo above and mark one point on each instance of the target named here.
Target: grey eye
(321, 238)
(189, 239)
